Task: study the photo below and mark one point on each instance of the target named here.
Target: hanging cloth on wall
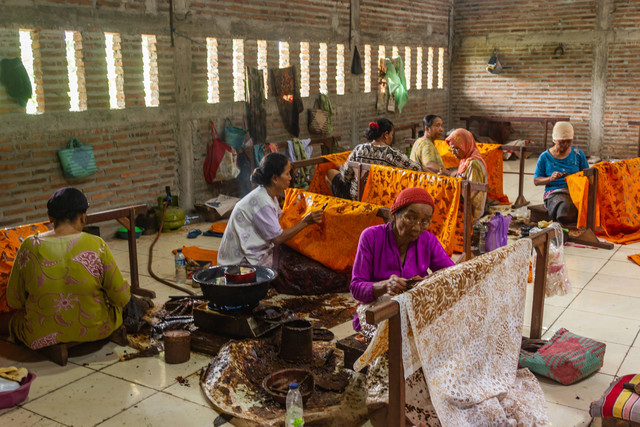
(255, 101)
(397, 83)
(15, 79)
(325, 104)
(287, 96)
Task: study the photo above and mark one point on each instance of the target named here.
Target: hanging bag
(565, 358)
(221, 161)
(318, 120)
(77, 160)
(233, 135)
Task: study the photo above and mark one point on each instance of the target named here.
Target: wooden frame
(467, 187)
(542, 120)
(636, 123)
(520, 200)
(390, 310)
(126, 216)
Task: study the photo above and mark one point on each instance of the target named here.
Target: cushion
(618, 402)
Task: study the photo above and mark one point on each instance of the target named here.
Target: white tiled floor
(97, 389)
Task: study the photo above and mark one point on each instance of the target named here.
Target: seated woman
(254, 228)
(378, 151)
(471, 167)
(553, 165)
(402, 249)
(424, 152)
(65, 284)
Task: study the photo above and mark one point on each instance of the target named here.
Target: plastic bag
(497, 232)
(557, 277)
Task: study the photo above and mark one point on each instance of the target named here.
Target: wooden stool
(352, 348)
(616, 422)
(539, 213)
(59, 353)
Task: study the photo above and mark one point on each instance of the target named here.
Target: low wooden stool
(539, 213)
(59, 353)
(352, 348)
(616, 422)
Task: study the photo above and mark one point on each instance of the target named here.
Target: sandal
(212, 234)
(194, 233)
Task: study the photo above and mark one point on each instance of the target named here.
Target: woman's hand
(556, 175)
(313, 217)
(392, 286)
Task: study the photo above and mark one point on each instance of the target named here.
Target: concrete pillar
(604, 18)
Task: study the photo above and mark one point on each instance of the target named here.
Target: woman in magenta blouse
(402, 249)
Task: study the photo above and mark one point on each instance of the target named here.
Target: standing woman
(254, 227)
(424, 151)
(472, 166)
(377, 151)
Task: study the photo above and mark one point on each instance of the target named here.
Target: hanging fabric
(397, 83)
(255, 101)
(288, 98)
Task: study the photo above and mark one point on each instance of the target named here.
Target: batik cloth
(463, 328)
(617, 200)
(255, 101)
(253, 224)
(372, 154)
(318, 184)
(424, 151)
(287, 96)
(333, 242)
(10, 241)
(65, 289)
(493, 160)
(385, 183)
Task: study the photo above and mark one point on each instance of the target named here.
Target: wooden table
(542, 120)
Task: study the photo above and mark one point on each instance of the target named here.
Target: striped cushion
(618, 402)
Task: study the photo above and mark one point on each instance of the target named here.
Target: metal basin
(225, 296)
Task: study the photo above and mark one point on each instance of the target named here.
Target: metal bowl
(277, 384)
(229, 296)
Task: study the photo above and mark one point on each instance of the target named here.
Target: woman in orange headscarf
(472, 166)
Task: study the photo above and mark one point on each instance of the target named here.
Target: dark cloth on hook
(356, 63)
(288, 99)
(255, 101)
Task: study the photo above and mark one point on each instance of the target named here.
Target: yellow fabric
(617, 208)
(492, 156)
(424, 151)
(384, 184)
(332, 243)
(14, 374)
(318, 184)
(10, 241)
(623, 398)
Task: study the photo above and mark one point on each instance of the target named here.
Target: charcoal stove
(229, 321)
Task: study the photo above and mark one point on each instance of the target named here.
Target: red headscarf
(463, 139)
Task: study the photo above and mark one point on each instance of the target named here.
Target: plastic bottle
(482, 247)
(293, 418)
(181, 268)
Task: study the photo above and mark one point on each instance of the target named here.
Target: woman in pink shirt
(402, 249)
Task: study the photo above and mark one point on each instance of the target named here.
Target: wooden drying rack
(390, 310)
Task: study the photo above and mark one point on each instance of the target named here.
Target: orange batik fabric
(333, 242)
(10, 241)
(318, 184)
(492, 156)
(617, 200)
(385, 182)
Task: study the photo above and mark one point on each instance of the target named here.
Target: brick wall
(138, 148)
(537, 82)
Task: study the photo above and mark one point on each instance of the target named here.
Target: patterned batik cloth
(617, 200)
(65, 289)
(10, 241)
(385, 183)
(255, 102)
(318, 184)
(333, 242)
(463, 327)
(493, 159)
(287, 96)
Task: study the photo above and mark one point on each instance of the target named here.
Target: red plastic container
(13, 397)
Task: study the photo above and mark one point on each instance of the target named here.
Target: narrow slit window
(283, 57)
(114, 70)
(407, 66)
(367, 68)
(304, 69)
(394, 52)
(262, 65)
(75, 70)
(430, 69)
(340, 69)
(150, 71)
(323, 68)
(213, 78)
(238, 70)
(441, 68)
(381, 58)
(419, 68)
(28, 54)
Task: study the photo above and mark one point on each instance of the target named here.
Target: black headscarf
(67, 203)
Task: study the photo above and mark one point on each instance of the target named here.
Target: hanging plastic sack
(497, 232)
(557, 276)
(396, 82)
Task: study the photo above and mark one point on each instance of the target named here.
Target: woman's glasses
(412, 222)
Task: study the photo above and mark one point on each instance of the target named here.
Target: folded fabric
(618, 402)
(635, 258)
(194, 253)
(218, 227)
(14, 374)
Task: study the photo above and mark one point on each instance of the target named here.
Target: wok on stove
(232, 296)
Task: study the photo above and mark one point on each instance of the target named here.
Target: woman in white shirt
(254, 227)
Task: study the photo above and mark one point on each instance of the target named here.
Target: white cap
(563, 130)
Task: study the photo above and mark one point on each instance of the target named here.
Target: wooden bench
(390, 310)
(544, 121)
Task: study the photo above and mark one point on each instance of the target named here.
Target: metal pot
(229, 296)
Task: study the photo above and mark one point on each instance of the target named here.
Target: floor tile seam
(607, 315)
(127, 408)
(58, 388)
(43, 416)
(611, 293)
(190, 401)
(129, 380)
(623, 360)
